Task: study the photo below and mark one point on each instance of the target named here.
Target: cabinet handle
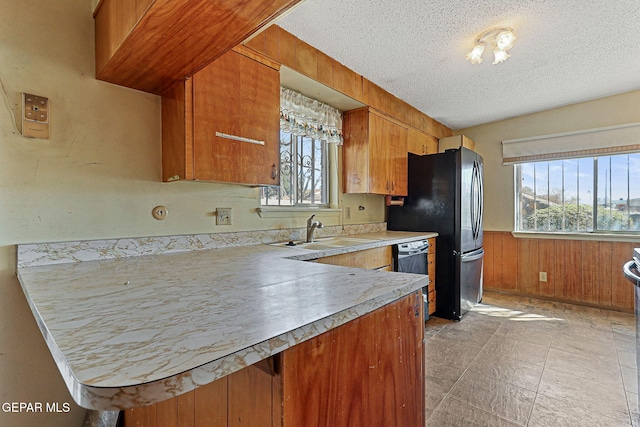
(239, 138)
(274, 172)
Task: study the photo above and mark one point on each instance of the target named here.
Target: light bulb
(475, 56)
(505, 40)
(500, 56)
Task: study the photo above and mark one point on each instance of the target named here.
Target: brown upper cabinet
(223, 123)
(454, 142)
(152, 45)
(421, 143)
(375, 153)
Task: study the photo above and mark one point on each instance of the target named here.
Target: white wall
(499, 185)
(98, 176)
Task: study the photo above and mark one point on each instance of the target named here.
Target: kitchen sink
(326, 243)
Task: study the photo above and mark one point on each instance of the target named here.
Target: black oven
(411, 257)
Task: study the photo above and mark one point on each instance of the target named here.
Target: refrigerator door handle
(480, 197)
(476, 200)
(473, 256)
(628, 268)
(472, 201)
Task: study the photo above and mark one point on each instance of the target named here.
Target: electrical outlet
(223, 216)
(347, 213)
(543, 276)
(35, 116)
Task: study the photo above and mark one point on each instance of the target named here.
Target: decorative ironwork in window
(303, 173)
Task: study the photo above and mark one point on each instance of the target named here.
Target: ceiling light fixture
(502, 40)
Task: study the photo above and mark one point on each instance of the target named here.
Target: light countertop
(133, 331)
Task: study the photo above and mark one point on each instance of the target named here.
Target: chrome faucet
(311, 227)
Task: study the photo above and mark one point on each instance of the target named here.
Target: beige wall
(499, 191)
(98, 176)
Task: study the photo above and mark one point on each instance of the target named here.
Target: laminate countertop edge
(132, 332)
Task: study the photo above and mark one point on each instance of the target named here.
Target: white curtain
(304, 116)
(587, 143)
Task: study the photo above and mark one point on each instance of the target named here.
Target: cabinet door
(421, 143)
(367, 372)
(379, 164)
(370, 259)
(240, 97)
(388, 156)
(397, 155)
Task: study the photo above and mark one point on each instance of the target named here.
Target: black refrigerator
(446, 196)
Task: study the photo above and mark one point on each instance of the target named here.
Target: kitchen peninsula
(133, 322)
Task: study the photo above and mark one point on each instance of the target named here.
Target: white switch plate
(223, 216)
(35, 116)
(543, 276)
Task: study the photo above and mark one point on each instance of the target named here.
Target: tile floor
(517, 361)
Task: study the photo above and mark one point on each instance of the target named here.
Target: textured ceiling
(567, 51)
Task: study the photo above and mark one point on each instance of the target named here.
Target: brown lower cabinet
(367, 372)
(370, 259)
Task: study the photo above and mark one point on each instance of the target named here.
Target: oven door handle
(627, 268)
(412, 253)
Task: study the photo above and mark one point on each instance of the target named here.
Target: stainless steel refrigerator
(446, 196)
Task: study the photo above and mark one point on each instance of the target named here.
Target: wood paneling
(547, 263)
(306, 59)
(272, 45)
(578, 271)
(325, 69)
(604, 265)
(501, 261)
(210, 404)
(153, 45)
(591, 271)
(167, 413)
(489, 263)
(250, 398)
(292, 52)
(258, 42)
(357, 375)
(287, 46)
(528, 266)
(186, 412)
(622, 294)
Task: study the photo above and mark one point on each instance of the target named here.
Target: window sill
(603, 237)
(296, 211)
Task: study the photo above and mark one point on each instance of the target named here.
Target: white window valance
(304, 116)
(586, 143)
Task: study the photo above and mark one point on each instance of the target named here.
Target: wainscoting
(578, 271)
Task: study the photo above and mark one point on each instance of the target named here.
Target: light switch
(35, 116)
